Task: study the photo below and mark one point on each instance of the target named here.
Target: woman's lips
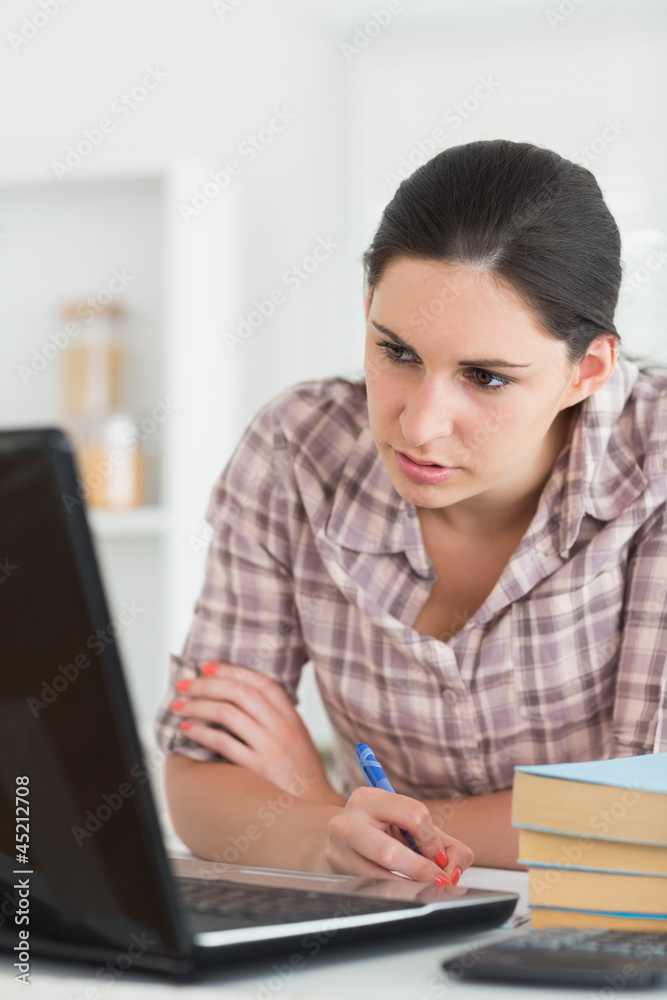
(431, 474)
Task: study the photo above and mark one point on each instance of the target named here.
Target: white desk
(378, 972)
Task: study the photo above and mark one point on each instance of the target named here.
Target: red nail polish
(183, 685)
(440, 880)
(456, 875)
(441, 859)
(210, 669)
(177, 705)
(186, 725)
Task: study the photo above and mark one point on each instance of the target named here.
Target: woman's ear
(594, 370)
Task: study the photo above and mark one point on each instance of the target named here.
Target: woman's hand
(267, 734)
(365, 838)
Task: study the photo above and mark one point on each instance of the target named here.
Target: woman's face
(460, 373)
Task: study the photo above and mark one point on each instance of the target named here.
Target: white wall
(228, 67)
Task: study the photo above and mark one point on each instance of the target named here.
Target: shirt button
(449, 696)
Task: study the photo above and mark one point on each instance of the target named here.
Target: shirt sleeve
(245, 613)
(640, 710)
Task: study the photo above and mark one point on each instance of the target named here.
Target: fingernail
(186, 725)
(210, 668)
(177, 705)
(456, 875)
(441, 859)
(440, 880)
(183, 685)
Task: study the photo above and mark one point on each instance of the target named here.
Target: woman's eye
(400, 352)
(488, 380)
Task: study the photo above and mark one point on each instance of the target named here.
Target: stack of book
(594, 838)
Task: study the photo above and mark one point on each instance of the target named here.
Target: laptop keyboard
(236, 905)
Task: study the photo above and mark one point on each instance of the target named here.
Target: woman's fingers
(459, 857)
(245, 711)
(242, 680)
(344, 861)
(392, 856)
(264, 731)
(242, 725)
(221, 743)
(246, 697)
(365, 829)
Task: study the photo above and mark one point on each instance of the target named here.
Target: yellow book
(554, 850)
(621, 895)
(619, 799)
(541, 918)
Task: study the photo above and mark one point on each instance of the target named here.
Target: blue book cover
(561, 866)
(646, 773)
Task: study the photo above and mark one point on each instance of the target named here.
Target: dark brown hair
(525, 214)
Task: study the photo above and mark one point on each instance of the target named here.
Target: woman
(469, 545)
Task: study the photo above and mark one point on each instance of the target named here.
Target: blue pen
(376, 778)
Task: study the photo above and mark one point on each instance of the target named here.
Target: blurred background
(186, 189)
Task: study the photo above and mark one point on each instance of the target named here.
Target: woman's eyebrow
(479, 363)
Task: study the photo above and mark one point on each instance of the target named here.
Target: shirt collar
(368, 514)
(603, 475)
(596, 473)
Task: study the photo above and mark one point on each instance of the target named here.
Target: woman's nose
(427, 415)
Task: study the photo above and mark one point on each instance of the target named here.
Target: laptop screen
(77, 824)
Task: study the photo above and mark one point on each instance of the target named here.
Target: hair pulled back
(522, 213)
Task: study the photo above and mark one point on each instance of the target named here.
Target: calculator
(568, 956)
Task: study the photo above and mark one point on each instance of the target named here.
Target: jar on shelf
(93, 361)
(106, 436)
(112, 465)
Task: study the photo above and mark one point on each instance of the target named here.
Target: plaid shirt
(315, 556)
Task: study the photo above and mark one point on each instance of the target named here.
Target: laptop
(84, 872)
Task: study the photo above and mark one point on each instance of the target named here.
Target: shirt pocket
(565, 650)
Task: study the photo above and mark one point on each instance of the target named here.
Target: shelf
(182, 294)
(131, 522)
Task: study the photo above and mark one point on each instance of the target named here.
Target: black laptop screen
(69, 750)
